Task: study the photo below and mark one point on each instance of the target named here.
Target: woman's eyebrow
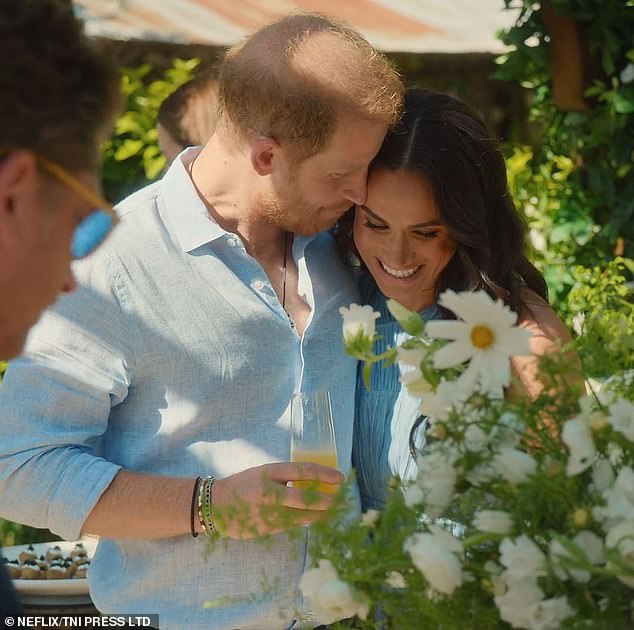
(432, 223)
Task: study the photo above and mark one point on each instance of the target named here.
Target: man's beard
(294, 216)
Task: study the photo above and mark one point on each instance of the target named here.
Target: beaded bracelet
(193, 505)
(205, 506)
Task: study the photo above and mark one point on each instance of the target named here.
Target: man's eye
(374, 226)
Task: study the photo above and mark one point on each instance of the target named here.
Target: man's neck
(226, 182)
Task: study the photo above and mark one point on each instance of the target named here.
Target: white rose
(548, 614)
(522, 558)
(493, 521)
(358, 318)
(438, 564)
(330, 598)
(514, 603)
(513, 465)
(622, 418)
(577, 436)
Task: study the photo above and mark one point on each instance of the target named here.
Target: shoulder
(539, 318)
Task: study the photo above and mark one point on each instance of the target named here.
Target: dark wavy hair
(441, 138)
(58, 91)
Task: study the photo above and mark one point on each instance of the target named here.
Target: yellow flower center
(482, 337)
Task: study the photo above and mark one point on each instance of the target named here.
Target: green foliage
(16, 534)
(501, 526)
(577, 188)
(602, 301)
(132, 158)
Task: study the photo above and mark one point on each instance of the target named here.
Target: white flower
(588, 543)
(548, 613)
(493, 521)
(486, 337)
(622, 418)
(370, 518)
(358, 318)
(522, 558)
(437, 406)
(619, 500)
(513, 465)
(475, 439)
(514, 603)
(330, 598)
(627, 74)
(602, 475)
(509, 429)
(416, 383)
(436, 478)
(434, 555)
(621, 537)
(577, 436)
(395, 580)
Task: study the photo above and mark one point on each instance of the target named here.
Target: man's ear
(263, 150)
(18, 180)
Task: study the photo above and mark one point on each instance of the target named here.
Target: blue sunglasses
(94, 228)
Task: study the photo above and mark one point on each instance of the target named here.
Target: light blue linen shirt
(173, 357)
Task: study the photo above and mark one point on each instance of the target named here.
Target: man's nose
(356, 189)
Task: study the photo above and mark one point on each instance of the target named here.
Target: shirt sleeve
(55, 403)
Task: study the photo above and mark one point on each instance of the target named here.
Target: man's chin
(12, 346)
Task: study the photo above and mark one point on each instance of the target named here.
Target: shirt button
(232, 241)
(258, 284)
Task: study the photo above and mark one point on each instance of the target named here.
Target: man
(57, 99)
(177, 357)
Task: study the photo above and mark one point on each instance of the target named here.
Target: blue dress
(384, 415)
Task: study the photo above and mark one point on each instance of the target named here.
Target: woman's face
(401, 238)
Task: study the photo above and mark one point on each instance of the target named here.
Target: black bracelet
(194, 507)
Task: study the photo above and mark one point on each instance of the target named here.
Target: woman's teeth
(399, 273)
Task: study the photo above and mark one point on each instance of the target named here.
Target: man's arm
(253, 502)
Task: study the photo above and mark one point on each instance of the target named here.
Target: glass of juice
(313, 435)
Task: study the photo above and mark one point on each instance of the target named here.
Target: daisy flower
(486, 337)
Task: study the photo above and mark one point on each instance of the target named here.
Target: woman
(438, 216)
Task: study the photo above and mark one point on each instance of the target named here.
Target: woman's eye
(374, 226)
(428, 234)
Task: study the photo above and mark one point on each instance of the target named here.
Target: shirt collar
(186, 215)
(182, 209)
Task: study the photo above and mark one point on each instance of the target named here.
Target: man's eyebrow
(432, 223)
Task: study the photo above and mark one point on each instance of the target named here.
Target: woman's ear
(263, 151)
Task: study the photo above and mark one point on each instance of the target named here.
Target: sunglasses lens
(90, 233)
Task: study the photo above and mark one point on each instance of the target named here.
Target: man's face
(39, 216)
(310, 196)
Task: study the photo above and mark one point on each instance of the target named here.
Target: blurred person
(187, 117)
(154, 400)
(438, 216)
(58, 96)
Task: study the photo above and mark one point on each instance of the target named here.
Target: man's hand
(257, 501)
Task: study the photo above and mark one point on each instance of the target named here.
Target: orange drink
(326, 458)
